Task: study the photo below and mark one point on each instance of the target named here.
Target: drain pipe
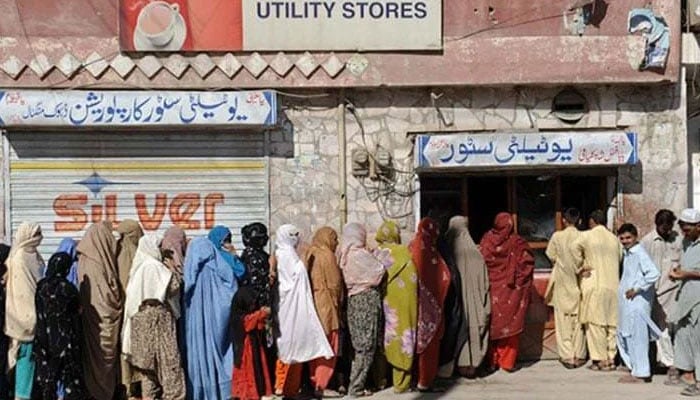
(342, 161)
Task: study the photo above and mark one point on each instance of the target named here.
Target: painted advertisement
(286, 25)
(131, 108)
(527, 149)
(66, 197)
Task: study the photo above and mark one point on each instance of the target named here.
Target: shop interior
(536, 200)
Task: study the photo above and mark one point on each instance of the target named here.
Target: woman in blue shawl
(69, 246)
(221, 237)
(210, 284)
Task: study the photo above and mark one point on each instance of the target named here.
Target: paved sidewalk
(549, 380)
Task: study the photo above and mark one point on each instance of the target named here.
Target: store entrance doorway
(536, 201)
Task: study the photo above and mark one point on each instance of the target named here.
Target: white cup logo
(156, 22)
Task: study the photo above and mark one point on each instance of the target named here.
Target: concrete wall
(305, 182)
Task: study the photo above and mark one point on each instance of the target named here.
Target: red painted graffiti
(73, 212)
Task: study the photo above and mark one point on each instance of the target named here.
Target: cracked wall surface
(305, 184)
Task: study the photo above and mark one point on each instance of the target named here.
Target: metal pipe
(342, 161)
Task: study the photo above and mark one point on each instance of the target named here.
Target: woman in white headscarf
(301, 337)
(25, 268)
(148, 337)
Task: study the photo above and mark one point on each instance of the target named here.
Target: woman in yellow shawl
(400, 306)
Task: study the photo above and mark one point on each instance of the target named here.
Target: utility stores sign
(602, 148)
(275, 25)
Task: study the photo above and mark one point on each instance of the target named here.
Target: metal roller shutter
(66, 182)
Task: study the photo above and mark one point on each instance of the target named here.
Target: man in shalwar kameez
(597, 253)
(564, 294)
(686, 347)
(665, 246)
(635, 297)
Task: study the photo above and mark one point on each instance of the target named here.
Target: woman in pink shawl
(363, 273)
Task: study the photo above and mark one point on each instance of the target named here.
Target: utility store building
(346, 112)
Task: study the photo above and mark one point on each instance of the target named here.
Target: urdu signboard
(280, 25)
(556, 149)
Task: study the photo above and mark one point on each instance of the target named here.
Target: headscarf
(102, 299)
(361, 269)
(210, 285)
(434, 280)
(58, 336)
(25, 267)
(388, 234)
(59, 266)
(326, 278)
(301, 335)
(219, 235)
(257, 262)
(149, 279)
(401, 300)
(510, 268)
(175, 240)
(130, 232)
(476, 300)
(69, 246)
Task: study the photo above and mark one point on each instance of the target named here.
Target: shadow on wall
(631, 178)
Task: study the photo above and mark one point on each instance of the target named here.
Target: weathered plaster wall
(305, 164)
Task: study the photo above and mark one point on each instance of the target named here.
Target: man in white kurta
(635, 297)
(686, 316)
(564, 294)
(665, 246)
(597, 253)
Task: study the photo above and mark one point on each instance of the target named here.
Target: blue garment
(218, 236)
(69, 246)
(210, 285)
(24, 372)
(634, 325)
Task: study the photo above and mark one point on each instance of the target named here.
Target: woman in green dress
(400, 306)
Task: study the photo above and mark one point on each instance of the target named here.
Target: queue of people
(613, 296)
(123, 314)
(137, 315)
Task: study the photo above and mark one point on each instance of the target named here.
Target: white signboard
(527, 149)
(342, 25)
(127, 108)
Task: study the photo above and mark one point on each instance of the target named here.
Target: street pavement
(548, 380)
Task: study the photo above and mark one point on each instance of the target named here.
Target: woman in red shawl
(510, 266)
(433, 282)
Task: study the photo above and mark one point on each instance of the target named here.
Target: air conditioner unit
(692, 13)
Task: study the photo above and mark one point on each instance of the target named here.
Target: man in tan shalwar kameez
(564, 293)
(598, 253)
(665, 247)
(102, 301)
